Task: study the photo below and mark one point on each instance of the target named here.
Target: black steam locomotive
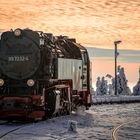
(42, 75)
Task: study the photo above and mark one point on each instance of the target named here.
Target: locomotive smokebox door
(19, 55)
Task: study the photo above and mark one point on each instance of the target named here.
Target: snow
(94, 124)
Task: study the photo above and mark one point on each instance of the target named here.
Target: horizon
(103, 65)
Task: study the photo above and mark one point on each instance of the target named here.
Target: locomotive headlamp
(1, 82)
(17, 32)
(30, 82)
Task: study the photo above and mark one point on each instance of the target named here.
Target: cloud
(129, 56)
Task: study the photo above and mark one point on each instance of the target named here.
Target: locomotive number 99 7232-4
(18, 58)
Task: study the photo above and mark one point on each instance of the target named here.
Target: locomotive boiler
(42, 75)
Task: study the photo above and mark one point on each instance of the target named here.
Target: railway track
(12, 129)
(3, 135)
(17, 126)
(115, 130)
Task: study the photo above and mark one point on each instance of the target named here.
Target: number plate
(18, 58)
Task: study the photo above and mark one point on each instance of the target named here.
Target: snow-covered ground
(115, 99)
(94, 124)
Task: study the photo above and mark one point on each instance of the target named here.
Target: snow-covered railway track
(115, 130)
(3, 135)
(10, 127)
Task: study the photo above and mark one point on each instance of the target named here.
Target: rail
(115, 130)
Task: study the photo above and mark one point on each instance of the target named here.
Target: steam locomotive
(42, 75)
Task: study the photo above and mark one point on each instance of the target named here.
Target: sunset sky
(94, 23)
